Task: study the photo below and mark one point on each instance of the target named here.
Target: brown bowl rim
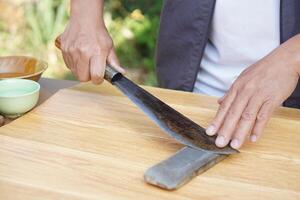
(44, 64)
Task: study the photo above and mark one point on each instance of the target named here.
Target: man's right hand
(86, 44)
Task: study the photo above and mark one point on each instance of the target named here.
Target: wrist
(87, 12)
(291, 49)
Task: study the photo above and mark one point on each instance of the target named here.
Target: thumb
(113, 60)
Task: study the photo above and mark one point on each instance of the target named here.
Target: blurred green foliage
(132, 24)
(45, 19)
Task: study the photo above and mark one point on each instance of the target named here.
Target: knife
(171, 121)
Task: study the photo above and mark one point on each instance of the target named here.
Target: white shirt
(242, 32)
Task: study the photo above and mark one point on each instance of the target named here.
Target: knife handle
(110, 73)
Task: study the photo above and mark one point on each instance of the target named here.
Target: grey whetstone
(180, 168)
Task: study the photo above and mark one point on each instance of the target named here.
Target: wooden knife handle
(110, 73)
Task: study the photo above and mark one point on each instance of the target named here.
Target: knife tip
(228, 151)
(224, 151)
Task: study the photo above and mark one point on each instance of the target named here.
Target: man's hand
(86, 45)
(245, 109)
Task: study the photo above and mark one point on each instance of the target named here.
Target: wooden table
(93, 143)
(50, 87)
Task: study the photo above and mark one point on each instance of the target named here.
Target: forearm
(290, 51)
(89, 12)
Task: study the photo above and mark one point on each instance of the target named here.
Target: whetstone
(180, 168)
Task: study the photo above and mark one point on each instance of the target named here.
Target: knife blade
(171, 121)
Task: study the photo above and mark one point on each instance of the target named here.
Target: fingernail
(210, 130)
(235, 143)
(220, 141)
(253, 138)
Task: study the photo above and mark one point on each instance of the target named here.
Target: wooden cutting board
(92, 143)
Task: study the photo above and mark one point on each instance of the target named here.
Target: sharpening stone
(180, 168)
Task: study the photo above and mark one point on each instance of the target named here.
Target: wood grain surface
(91, 142)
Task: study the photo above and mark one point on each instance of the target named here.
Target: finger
(220, 100)
(82, 66)
(246, 122)
(97, 68)
(232, 118)
(223, 108)
(68, 62)
(262, 119)
(72, 56)
(67, 54)
(114, 61)
(66, 59)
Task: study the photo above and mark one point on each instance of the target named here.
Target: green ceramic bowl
(18, 96)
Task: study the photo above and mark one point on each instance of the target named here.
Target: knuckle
(96, 50)
(249, 87)
(84, 50)
(231, 113)
(269, 99)
(262, 116)
(71, 49)
(104, 49)
(105, 42)
(222, 107)
(110, 42)
(248, 116)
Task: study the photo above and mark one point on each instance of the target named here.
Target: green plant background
(29, 27)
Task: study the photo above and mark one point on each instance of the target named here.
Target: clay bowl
(21, 67)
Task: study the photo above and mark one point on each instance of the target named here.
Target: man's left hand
(246, 108)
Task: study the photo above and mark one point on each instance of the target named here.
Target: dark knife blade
(171, 121)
